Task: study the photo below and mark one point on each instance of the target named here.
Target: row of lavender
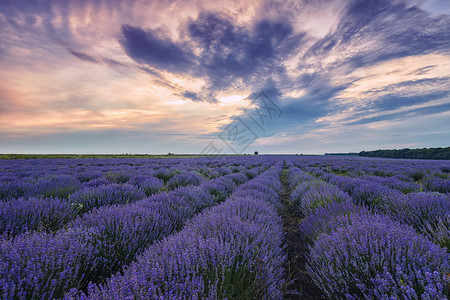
(405, 175)
(60, 178)
(100, 242)
(406, 200)
(231, 251)
(47, 203)
(358, 251)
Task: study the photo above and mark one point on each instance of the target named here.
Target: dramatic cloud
(216, 49)
(146, 47)
(171, 77)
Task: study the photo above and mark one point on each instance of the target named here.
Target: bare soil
(299, 283)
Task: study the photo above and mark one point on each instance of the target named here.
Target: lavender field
(248, 227)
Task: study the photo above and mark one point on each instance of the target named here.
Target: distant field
(60, 156)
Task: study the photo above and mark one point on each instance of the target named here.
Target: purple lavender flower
(148, 184)
(28, 214)
(377, 258)
(96, 183)
(43, 266)
(15, 189)
(296, 176)
(371, 193)
(394, 183)
(119, 176)
(233, 250)
(164, 174)
(185, 179)
(325, 220)
(346, 184)
(57, 186)
(196, 198)
(89, 175)
(120, 234)
(89, 198)
(428, 213)
(250, 173)
(437, 185)
(254, 189)
(238, 178)
(310, 195)
(220, 188)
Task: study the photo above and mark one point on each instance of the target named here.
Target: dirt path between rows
(300, 284)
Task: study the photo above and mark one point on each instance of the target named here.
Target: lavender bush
(88, 176)
(310, 195)
(89, 198)
(255, 189)
(148, 184)
(220, 189)
(164, 174)
(325, 220)
(120, 176)
(428, 213)
(377, 258)
(232, 251)
(28, 214)
(95, 183)
(27, 262)
(437, 185)
(250, 173)
(60, 186)
(15, 189)
(112, 236)
(185, 179)
(296, 176)
(238, 178)
(119, 234)
(372, 194)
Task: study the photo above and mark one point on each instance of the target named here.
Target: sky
(205, 76)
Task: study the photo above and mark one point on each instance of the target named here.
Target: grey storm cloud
(227, 52)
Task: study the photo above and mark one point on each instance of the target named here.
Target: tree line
(423, 153)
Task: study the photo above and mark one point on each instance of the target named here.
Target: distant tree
(256, 152)
(424, 153)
